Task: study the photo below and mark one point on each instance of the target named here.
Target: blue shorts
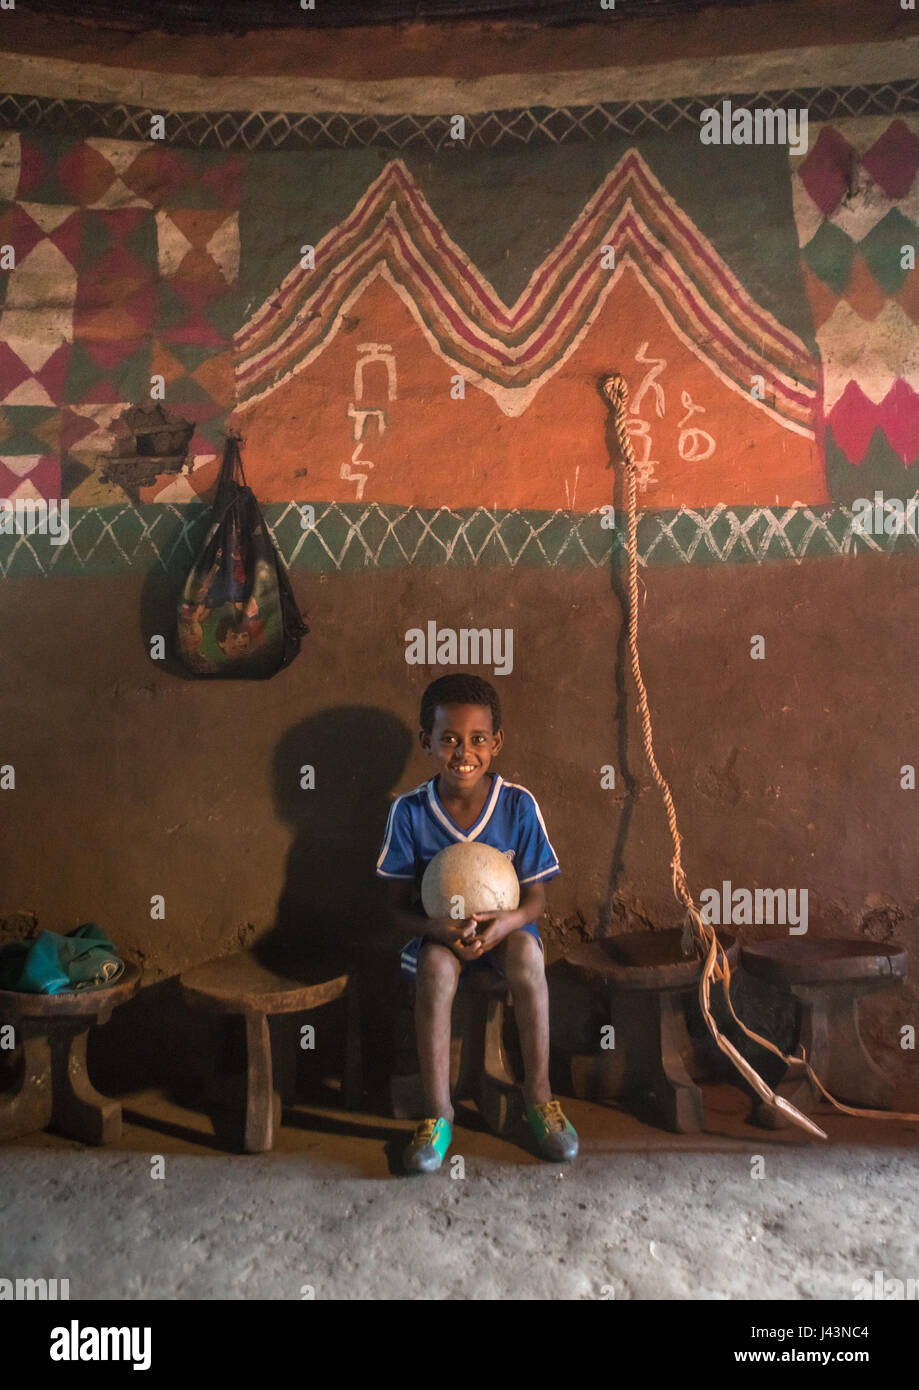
(487, 961)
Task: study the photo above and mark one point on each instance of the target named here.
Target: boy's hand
(459, 936)
(493, 927)
(467, 950)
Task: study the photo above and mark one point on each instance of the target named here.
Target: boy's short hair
(228, 625)
(459, 689)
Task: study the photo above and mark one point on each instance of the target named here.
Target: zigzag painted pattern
(350, 537)
(856, 200)
(393, 230)
(491, 129)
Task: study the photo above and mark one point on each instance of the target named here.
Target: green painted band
(353, 537)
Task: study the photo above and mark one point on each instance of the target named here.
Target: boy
(461, 733)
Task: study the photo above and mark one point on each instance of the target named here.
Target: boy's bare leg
(526, 975)
(435, 987)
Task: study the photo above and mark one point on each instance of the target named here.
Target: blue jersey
(418, 827)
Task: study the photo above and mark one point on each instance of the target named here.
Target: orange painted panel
(698, 438)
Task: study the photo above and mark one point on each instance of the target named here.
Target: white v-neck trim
(442, 818)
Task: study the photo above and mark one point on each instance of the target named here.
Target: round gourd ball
(480, 875)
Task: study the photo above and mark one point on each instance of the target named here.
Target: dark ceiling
(237, 15)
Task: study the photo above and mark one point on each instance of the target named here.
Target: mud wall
(429, 387)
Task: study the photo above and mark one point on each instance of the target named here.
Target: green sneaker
(430, 1143)
(556, 1138)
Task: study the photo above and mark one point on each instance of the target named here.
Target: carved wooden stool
(827, 978)
(239, 985)
(54, 1090)
(479, 1066)
(649, 986)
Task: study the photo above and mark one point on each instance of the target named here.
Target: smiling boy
(461, 733)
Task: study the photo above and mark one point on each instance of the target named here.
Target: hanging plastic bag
(238, 615)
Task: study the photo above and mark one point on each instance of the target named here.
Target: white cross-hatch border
(376, 536)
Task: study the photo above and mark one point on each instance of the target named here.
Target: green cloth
(55, 964)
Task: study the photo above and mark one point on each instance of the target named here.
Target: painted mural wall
(408, 326)
(403, 334)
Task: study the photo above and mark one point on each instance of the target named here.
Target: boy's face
(235, 644)
(462, 744)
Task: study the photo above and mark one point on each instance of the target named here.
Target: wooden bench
(240, 985)
(649, 987)
(53, 1089)
(827, 978)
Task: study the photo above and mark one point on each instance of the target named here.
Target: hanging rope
(700, 936)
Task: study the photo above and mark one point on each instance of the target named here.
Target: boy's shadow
(330, 915)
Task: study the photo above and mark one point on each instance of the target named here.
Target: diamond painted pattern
(36, 319)
(824, 170)
(90, 177)
(893, 160)
(197, 311)
(141, 245)
(114, 312)
(856, 201)
(29, 476)
(881, 250)
(199, 244)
